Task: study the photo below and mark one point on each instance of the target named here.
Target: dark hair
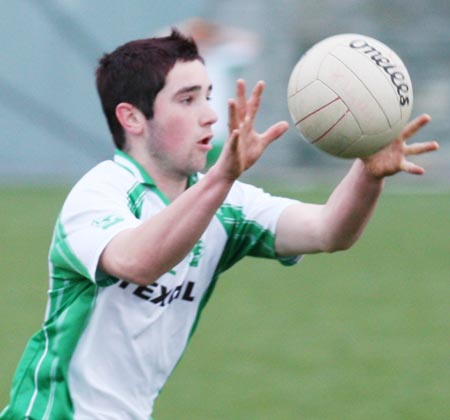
(136, 71)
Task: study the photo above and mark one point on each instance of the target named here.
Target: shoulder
(105, 181)
(106, 173)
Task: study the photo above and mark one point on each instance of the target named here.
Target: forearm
(141, 255)
(350, 207)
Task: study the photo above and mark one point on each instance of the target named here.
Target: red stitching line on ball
(317, 110)
(334, 125)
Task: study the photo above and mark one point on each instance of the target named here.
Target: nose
(209, 116)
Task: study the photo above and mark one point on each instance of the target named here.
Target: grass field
(362, 334)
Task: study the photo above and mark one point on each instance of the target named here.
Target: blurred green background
(361, 334)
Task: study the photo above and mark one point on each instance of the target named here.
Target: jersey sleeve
(250, 216)
(91, 216)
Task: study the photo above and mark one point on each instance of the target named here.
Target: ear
(131, 118)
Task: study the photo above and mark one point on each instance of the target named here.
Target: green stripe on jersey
(40, 387)
(136, 199)
(45, 361)
(245, 237)
(66, 265)
(62, 256)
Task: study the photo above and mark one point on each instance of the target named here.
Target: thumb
(274, 132)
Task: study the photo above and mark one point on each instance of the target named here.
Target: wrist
(366, 168)
(216, 179)
(222, 172)
(370, 170)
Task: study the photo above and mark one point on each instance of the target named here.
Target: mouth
(205, 142)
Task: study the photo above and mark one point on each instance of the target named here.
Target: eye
(187, 100)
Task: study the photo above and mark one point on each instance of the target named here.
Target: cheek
(174, 136)
(176, 131)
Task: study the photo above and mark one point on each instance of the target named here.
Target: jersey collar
(131, 165)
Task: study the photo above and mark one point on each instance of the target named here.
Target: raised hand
(393, 158)
(245, 145)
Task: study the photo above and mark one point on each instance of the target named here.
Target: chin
(200, 165)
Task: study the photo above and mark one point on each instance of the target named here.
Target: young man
(141, 240)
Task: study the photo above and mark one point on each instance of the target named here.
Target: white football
(350, 95)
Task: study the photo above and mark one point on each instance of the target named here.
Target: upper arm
(300, 230)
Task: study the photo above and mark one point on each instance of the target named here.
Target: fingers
(233, 119)
(234, 140)
(416, 148)
(244, 142)
(255, 100)
(243, 113)
(274, 132)
(414, 126)
(419, 148)
(411, 168)
(241, 100)
(239, 109)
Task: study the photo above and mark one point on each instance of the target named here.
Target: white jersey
(107, 347)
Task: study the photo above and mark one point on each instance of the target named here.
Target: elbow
(337, 248)
(333, 246)
(130, 269)
(136, 262)
(141, 274)
(140, 278)
(339, 240)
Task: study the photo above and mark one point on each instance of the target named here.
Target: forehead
(186, 73)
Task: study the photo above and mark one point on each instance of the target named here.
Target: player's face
(180, 131)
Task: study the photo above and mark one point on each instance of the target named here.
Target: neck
(172, 187)
(170, 183)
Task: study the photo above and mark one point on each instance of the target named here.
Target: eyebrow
(190, 89)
